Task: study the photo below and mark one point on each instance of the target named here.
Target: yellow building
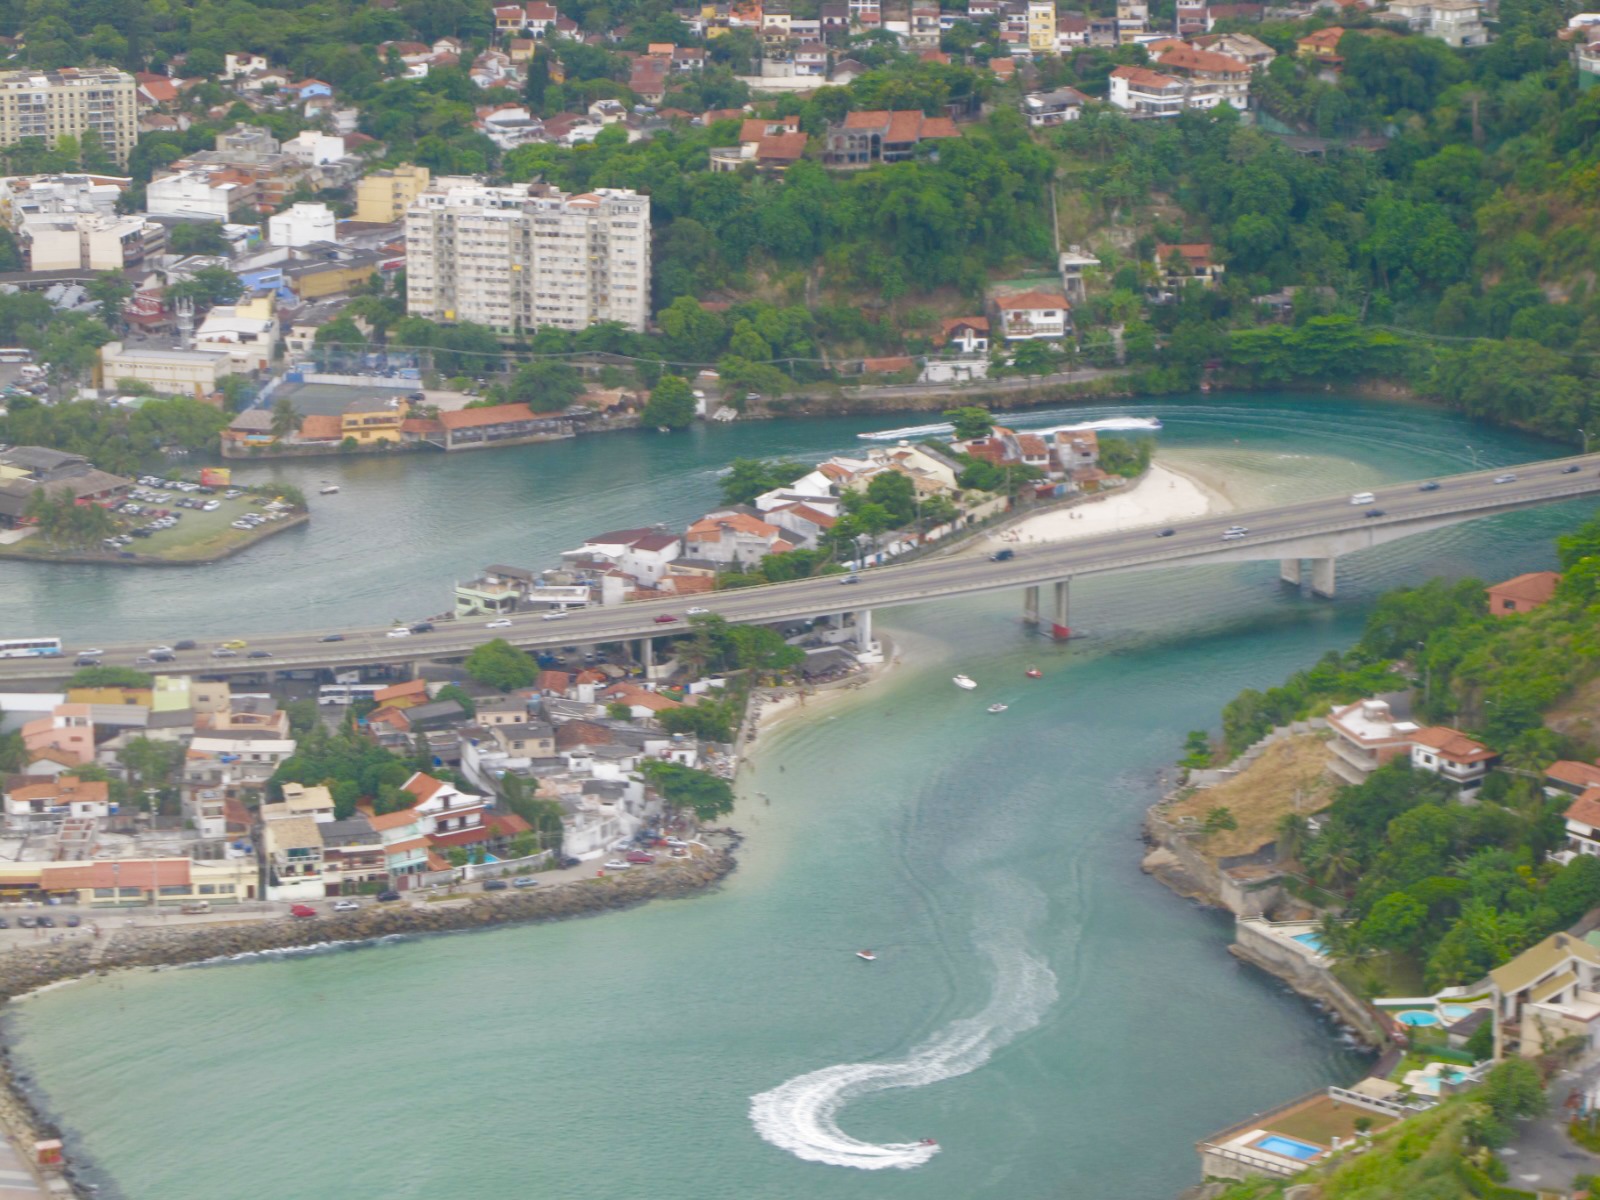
(382, 197)
(1042, 26)
(373, 420)
(331, 279)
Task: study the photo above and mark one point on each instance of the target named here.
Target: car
(1373, 512)
(27, 922)
(4, 924)
(1234, 533)
(235, 644)
(697, 611)
(495, 885)
(46, 922)
(422, 627)
(1002, 555)
(676, 843)
(616, 864)
(74, 921)
(1166, 533)
(1430, 486)
(166, 656)
(1572, 470)
(400, 631)
(144, 660)
(666, 619)
(184, 644)
(302, 910)
(555, 614)
(522, 881)
(568, 861)
(224, 652)
(1506, 478)
(159, 650)
(388, 897)
(851, 578)
(91, 652)
(86, 660)
(498, 623)
(259, 654)
(345, 906)
(639, 856)
(332, 637)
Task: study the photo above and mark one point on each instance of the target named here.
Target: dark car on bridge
(1002, 556)
(1374, 512)
(1430, 486)
(333, 637)
(422, 627)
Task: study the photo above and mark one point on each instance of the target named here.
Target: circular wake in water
(801, 1115)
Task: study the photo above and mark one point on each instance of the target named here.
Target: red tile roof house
(1573, 778)
(1522, 594)
(1583, 826)
(1029, 316)
(1451, 755)
(727, 538)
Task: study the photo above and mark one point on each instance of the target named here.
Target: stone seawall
(29, 968)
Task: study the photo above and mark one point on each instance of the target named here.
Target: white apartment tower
(70, 103)
(522, 257)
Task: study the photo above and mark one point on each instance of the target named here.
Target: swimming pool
(1311, 941)
(1454, 1012)
(1416, 1016)
(1276, 1143)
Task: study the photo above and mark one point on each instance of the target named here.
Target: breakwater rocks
(27, 968)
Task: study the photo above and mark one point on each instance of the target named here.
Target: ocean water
(1058, 1024)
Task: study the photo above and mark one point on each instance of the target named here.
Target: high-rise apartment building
(522, 257)
(71, 102)
(1041, 27)
(384, 196)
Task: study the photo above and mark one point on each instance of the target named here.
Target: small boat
(929, 1142)
(866, 956)
(328, 489)
(1034, 673)
(964, 682)
(662, 429)
(998, 708)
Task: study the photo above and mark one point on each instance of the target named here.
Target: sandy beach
(1163, 495)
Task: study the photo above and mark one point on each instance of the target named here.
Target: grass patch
(1383, 975)
(1260, 796)
(1325, 1119)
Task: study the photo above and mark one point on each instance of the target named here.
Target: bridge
(1318, 530)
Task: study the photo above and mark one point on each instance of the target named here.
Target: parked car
(569, 861)
(495, 885)
(387, 897)
(676, 842)
(522, 881)
(27, 922)
(499, 623)
(639, 856)
(197, 908)
(46, 922)
(666, 619)
(302, 910)
(616, 864)
(74, 920)
(4, 924)
(345, 906)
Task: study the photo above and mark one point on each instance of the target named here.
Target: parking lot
(180, 520)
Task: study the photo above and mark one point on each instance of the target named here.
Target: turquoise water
(1059, 1024)
(1456, 1012)
(1311, 940)
(1278, 1144)
(1416, 1016)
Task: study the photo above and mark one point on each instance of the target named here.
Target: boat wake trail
(800, 1116)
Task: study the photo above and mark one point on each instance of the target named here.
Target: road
(1402, 507)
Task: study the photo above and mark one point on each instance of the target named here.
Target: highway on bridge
(1286, 531)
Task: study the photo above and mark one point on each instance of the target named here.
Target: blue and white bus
(29, 647)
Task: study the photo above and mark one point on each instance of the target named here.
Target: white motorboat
(328, 489)
(965, 683)
(866, 956)
(998, 708)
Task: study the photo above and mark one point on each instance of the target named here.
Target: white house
(730, 538)
(1451, 755)
(192, 194)
(1053, 108)
(292, 847)
(1030, 316)
(301, 224)
(1142, 92)
(1583, 826)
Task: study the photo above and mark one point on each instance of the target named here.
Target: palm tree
(1294, 831)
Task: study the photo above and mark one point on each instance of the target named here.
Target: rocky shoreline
(29, 968)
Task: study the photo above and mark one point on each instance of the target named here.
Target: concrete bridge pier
(1322, 577)
(1289, 571)
(864, 629)
(1059, 627)
(647, 654)
(1030, 605)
